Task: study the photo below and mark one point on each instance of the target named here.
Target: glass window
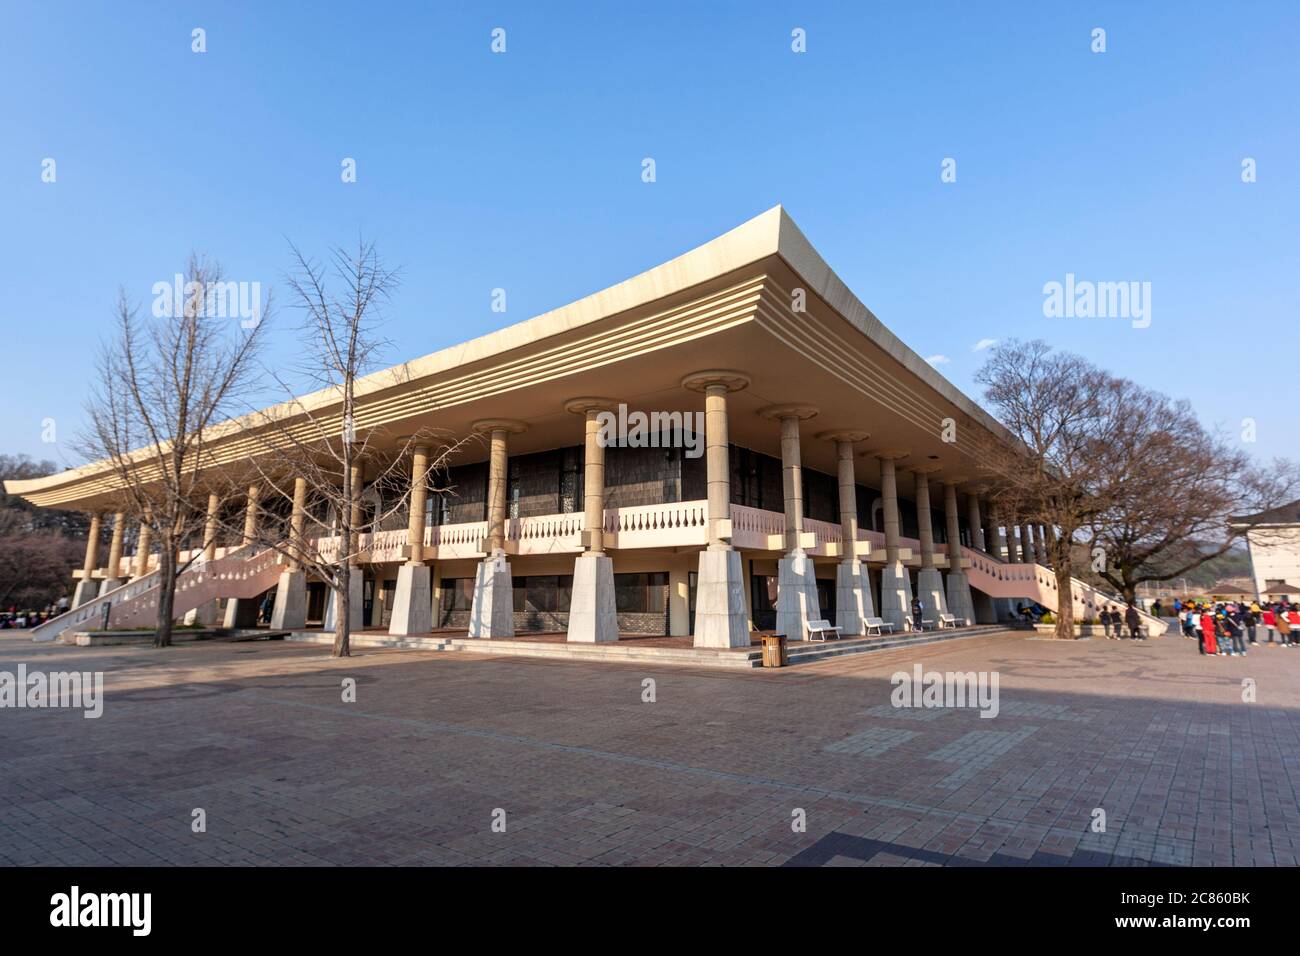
(641, 593)
(457, 594)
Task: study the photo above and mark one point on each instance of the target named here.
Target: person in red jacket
(1207, 631)
(1269, 621)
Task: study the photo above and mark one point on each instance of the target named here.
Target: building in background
(1273, 542)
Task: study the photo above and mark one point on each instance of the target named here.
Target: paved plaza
(719, 769)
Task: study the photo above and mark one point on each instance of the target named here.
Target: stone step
(555, 650)
(807, 653)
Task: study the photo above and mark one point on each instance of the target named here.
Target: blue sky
(523, 170)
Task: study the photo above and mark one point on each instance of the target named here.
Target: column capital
(729, 379)
(425, 436)
(924, 469)
(850, 435)
(511, 426)
(589, 403)
(888, 454)
(782, 412)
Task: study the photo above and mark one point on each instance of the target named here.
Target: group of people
(1225, 629)
(1113, 622)
(29, 617)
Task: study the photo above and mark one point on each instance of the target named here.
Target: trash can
(774, 654)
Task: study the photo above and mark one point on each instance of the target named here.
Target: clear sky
(523, 170)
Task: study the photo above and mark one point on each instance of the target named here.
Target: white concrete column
(1040, 545)
(960, 603)
(895, 585)
(853, 602)
(87, 589)
(419, 500)
(998, 544)
(250, 514)
(413, 594)
(679, 599)
(929, 581)
(290, 610)
(796, 581)
(211, 525)
(976, 522)
(492, 613)
(593, 611)
(721, 618)
(1013, 546)
(113, 578)
(143, 545)
(1027, 544)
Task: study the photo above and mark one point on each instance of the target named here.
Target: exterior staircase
(243, 573)
(1034, 582)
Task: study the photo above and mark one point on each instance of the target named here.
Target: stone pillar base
(110, 584)
(356, 613)
(929, 588)
(205, 615)
(796, 596)
(593, 613)
(412, 601)
(720, 616)
(960, 604)
(493, 611)
(895, 594)
(87, 590)
(290, 610)
(852, 597)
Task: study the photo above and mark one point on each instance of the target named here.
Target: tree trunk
(1064, 603)
(342, 626)
(1063, 565)
(162, 636)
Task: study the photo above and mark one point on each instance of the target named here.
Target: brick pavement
(713, 772)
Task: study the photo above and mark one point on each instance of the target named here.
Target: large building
(1273, 542)
(837, 476)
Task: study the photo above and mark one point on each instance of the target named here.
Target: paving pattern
(451, 759)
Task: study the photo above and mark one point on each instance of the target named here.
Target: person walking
(1250, 620)
(1104, 617)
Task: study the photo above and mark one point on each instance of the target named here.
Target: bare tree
(1175, 491)
(1061, 409)
(35, 563)
(312, 458)
(39, 547)
(162, 383)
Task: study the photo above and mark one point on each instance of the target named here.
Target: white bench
(911, 625)
(877, 624)
(822, 628)
(947, 620)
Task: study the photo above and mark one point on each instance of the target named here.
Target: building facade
(797, 462)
